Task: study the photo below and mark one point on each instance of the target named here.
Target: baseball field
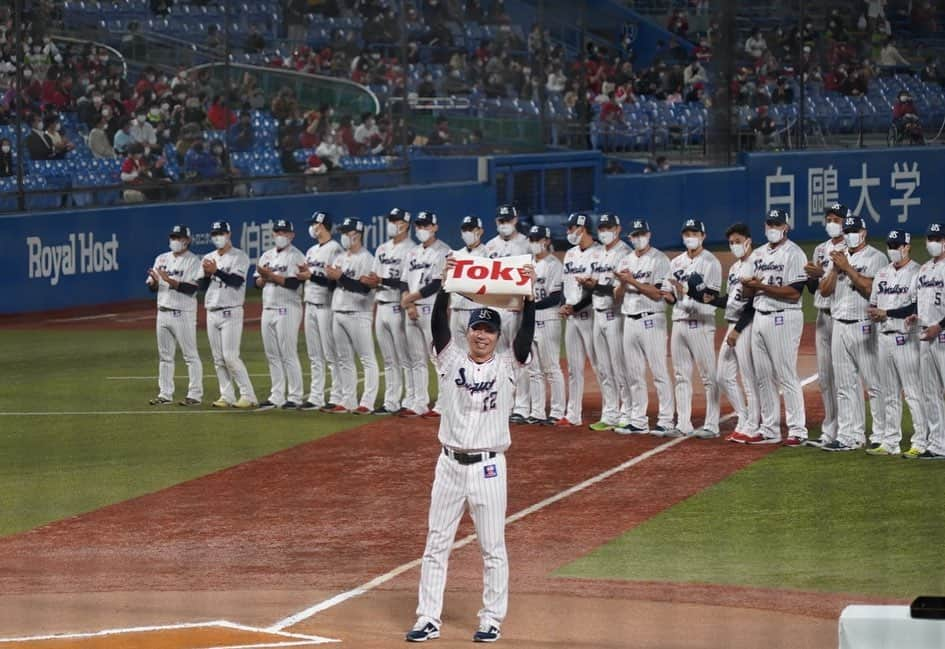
(126, 525)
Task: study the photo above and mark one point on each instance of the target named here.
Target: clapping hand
(304, 273)
(209, 267)
(332, 272)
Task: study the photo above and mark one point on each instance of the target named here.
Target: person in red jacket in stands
(346, 136)
(219, 116)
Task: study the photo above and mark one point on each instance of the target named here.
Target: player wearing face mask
(546, 347)
(819, 266)
(224, 286)
(461, 306)
(277, 274)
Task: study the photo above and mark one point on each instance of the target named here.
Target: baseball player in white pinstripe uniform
(774, 276)
(735, 351)
(508, 242)
(389, 260)
(422, 279)
(819, 266)
(892, 300)
(692, 341)
(644, 332)
(930, 297)
(174, 277)
(578, 334)
(849, 284)
(546, 350)
(352, 305)
(476, 390)
(607, 333)
(318, 315)
(460, 306)
(277, 275)
(224, 286)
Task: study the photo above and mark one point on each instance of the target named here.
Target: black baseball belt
(637, 316)
(468, 458)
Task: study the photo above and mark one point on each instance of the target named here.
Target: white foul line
(301, 616)
(99, 316)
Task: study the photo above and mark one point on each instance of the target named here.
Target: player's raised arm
(440, 322)
(522, 345)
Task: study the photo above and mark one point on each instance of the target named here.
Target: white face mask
(345, 241)
(506, 229)
(739, 249)
(469, 237)
(423, 235)
(312, 232)
(606, 237)
(934, 248)
(692, 243)
(536, 247)
(574, 238)
(640, 242)
(393, 229)
(6, 149)
(176, 245)
(774, 235)
(281, 240)
(853, 239)
(895, 255)
(219, 240)
(834, 230)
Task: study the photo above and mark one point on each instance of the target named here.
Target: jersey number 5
(488, 402)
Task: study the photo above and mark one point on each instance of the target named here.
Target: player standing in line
(818, 267)
(174, 277)
(476, 389)
(607, 334)
(693, 336)
(461, 306)
(318, 315)
(644, 332)
(422, 279)
(849, 284)
(546, 350)
(277, 275)
(224, 286)
(389, 262)
(774, 277)
(578, 334)
(352, 305)
(735, 351)
(508, 242)
(892, 300)
(930, 296)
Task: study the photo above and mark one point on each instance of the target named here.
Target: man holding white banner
(460, 306)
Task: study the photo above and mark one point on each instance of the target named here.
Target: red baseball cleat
(431, 414)
(338, 410)
(362, 410)
(563, 422)
(407, 412)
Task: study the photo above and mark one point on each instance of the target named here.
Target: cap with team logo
(219, 227)
(693, 225)
(180, 231)
(282, 225)
(470, 223)
(578, 219)
(935, 230)
(488, 317)
(853, 224)
(776, 217)
(898, 238)
(425, 218)
(839, 209)
(608, 220)
(539, 232)
(320, 217)
(506, 213)
(351, 224)
(639, 225)
(398, 214)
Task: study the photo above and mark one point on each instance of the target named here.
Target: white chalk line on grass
(98, 316)
(366, 587)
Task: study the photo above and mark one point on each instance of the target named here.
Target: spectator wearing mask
(763, 127)
(889, 56)
(7, 165)
(346, 136)
(38, 143)
(441, 133)
(131, 168)
(61, 144)
(694, 73)
(368, 136)
(755, 45)
(89, 111)
(99, 143)
(194, 112)
(330, 152)
(123, 137)
(242, 134)
(309, 137)
(142, 132)
(220, 117)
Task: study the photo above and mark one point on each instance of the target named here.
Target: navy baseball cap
(351, 224)
(506, 213)
(219, 226)
(693, 225)
(425, 218)
(398, 214)
(180, 231)
(578, 219)
(282, 225)
(639, 225)
(320, 217)
(898, 238)
(853, 224)
(839, 209)
(539, 232)
(470, 223)
(608, 220)
(936, 230)
(488, 317)
(776, 217)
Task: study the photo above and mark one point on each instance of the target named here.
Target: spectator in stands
(346, 136)
(222, 158)
(610, 111)
(193, 111)
(5, 117)
(201, 165)
(142, 131)
(290, 165)
(123, 137)
(836, 28)
(284, 104)
(426, 87)
(131, 173)
(309, 137)
(368, 136)
(763, 127)
(329, 151)
(755, 45)
(696, 94)
(61, 144)
(855, 85)
(782, 93)
(219, 115)
(189, 134)
(931, 73)
(161, 7)
(255, 43)
(242, 135)
(678, 23)
(890, 56)
(7, 164)
(656, 165)
(923, 17)
(904, 106)
(875, 9)
(99, 143)
(474, 12)
(441, 133)
(90, 109)
(694, 73)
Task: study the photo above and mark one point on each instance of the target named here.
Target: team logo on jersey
(886, 288)
(490, 471)
(930, 282)
(472, 386)
(571, 268)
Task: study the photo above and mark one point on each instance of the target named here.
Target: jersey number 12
(488, 402)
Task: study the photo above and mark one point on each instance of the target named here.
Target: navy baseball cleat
(422, 633)
(487, 634)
